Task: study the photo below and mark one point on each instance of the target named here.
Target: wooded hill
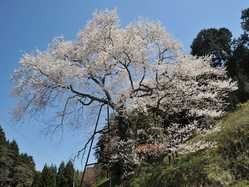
(16, 169)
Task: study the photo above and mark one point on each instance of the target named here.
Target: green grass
(102, 182)
(226, 164)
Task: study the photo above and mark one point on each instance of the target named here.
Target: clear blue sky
(30, 24)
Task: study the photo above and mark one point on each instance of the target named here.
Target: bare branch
(91, 97)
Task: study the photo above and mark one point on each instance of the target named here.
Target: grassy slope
(226, 164)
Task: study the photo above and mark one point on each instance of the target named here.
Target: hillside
(16, 169)
(219, 157)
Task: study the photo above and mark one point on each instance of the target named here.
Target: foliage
(102, 182)
(238, 66)
(65, 176)
(68, 174)
(37, 179)
(148, 137)
(15, 169)
(233, 54)
(60, 180)
(215, 42)
(48, 176)
(245, 20)
(226, 164)
(18, 169)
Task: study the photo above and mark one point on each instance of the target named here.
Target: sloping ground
(217, 158)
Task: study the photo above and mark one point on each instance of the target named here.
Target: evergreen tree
(6, 161)
(15, 169)
(48, 176)
(216, 42)
(23, 172)
(69, 174)
(238, 66)
(37, 180)
(77, 178)
(245, 20)
(2, 136)
(14, 147)
(60, 179)
(18, 169)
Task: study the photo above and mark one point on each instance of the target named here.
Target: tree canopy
(139, 66)
(245, 20)
(16, 169)
(215, 42)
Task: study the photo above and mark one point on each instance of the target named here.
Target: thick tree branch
(102, 86)
(93, 98)
(85, 95)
